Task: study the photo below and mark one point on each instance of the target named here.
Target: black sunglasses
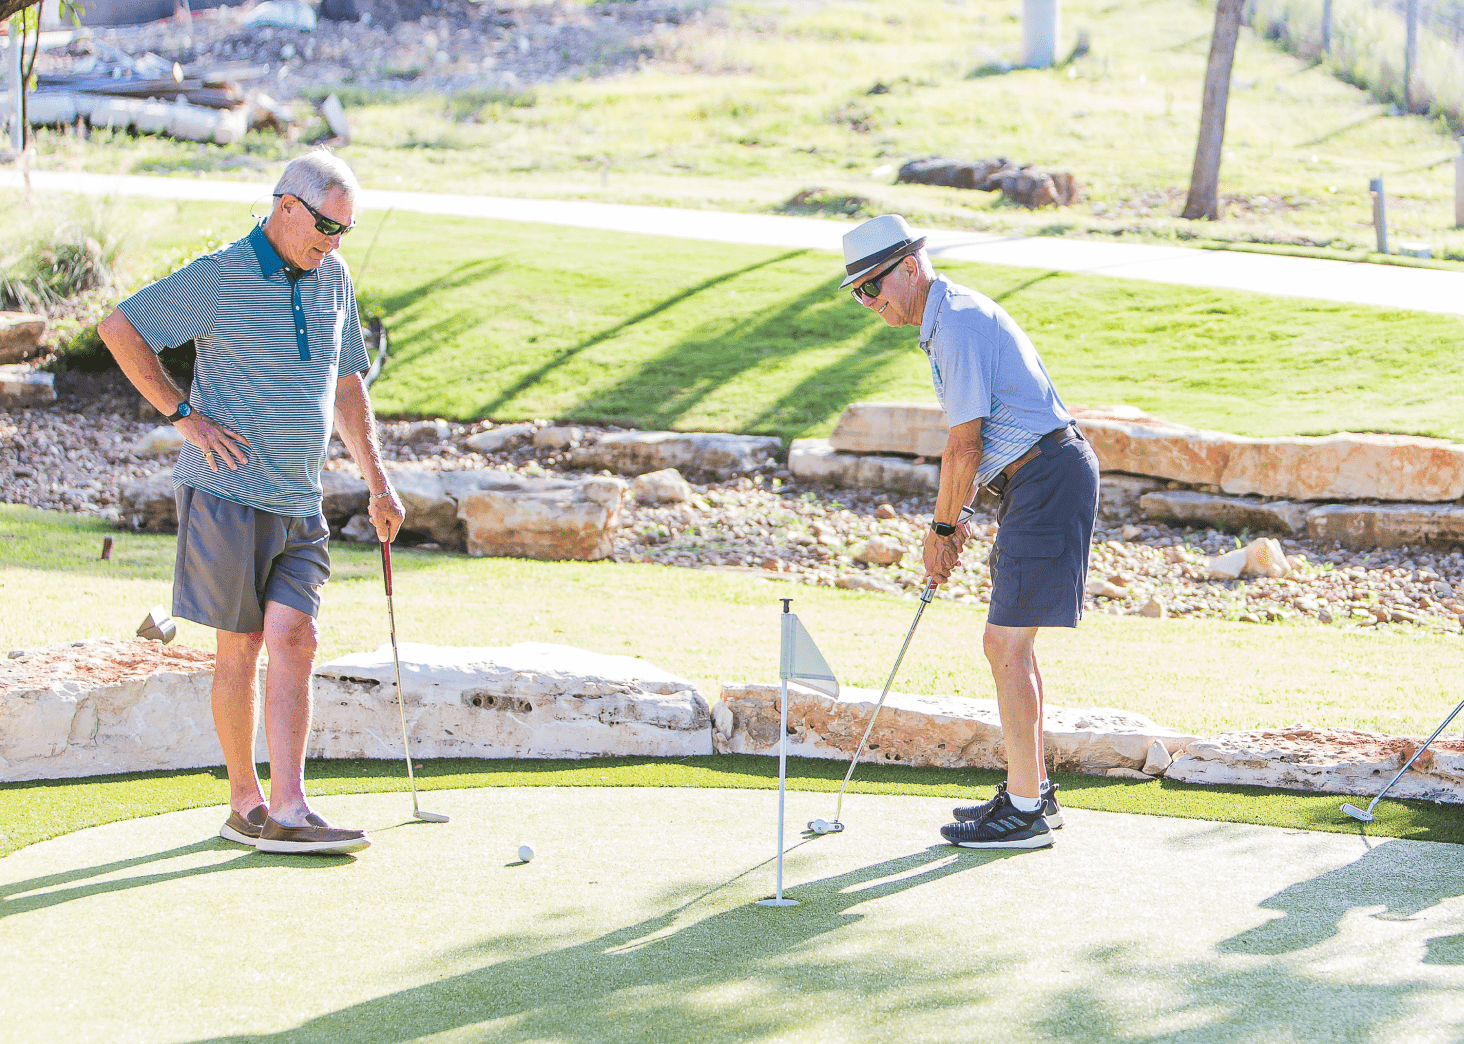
(324, 225)
(869, 289)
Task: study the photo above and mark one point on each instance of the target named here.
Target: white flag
(802, 660)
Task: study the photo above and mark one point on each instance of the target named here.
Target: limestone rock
(1121, 496)
(1032, 188)
(1227, 566)
(360, 529)
(1347, 466)
(1128, 773)
(1185, 506)
(949, 173)
(1264, 557)
(813, 460)
(432, 498)
(861, 582)
(497, 439)
(880, 551)
(424, 432)
(940, 731)
(637, 452)
(1335, 761)
(557, 438)
(147, 503)
(163, 441)
(1154, 609)
(103, 706)
(1102, 587)
(528, 700)
(1157, 761)
(20, 335)
(1157, 448)
(22, 387)
(1387, 525)
(917, 429)
(544, 519)
(661, 487)
(344, 496)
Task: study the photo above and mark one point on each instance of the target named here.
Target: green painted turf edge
(37, 810)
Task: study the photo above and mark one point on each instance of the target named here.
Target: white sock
(1022, 804)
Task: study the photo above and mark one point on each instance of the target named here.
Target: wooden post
(1326, 26)
(1410, 57)
(1380, 213)
(1459, 186)
(1204, 190)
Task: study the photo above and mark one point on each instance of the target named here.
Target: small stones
(880, 551)
(885, 511)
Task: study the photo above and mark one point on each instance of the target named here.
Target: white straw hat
(875, 243)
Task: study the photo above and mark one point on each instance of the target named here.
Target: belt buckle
(998, 484)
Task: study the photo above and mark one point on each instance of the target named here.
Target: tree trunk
(1204, 192)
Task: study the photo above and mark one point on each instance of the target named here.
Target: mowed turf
(635, 922)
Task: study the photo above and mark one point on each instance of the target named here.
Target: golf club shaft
(397, 664)
(925, 597)
(1443, 725)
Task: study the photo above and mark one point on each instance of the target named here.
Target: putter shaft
(396, 661)
(1409, 764)
(925, 597)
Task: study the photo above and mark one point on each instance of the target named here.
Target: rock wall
(927, 731)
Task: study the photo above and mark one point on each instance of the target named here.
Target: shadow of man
(1401, 877)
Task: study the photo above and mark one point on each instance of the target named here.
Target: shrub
(52, 260)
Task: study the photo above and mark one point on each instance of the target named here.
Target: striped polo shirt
(984, 366)
(272, 342)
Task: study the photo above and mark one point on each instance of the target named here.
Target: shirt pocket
(1032, 542)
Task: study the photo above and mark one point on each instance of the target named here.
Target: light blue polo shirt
(984, 366)
(272, 343)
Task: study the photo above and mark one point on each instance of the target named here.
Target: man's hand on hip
(386, 514)
(943, 553)
(216, 441)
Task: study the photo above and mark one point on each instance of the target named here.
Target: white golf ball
(820, 826)
(526, 852)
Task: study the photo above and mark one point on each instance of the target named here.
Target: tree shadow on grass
(686, 374)
(660, 979)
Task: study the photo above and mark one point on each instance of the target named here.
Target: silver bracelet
(378, 496)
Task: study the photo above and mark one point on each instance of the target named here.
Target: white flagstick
(787, 638)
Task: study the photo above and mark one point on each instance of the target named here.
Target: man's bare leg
(235, 706)
(291, 638)
(1011, 653)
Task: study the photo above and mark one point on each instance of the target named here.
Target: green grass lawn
(774, 100)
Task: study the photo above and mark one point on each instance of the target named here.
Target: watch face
(184, 410)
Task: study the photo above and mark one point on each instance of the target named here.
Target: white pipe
(13, 68)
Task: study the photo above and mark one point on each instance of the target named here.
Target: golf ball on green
(526, 852)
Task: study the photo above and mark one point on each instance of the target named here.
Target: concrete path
(1417, 289)
(635, 923)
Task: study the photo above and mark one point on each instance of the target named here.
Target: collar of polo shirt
(270, 261)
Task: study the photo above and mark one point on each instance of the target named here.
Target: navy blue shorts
(1039, 563)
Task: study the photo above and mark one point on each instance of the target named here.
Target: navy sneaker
(1051, 810)
(1003, 826)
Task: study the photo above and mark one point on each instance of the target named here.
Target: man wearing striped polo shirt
(279, 352)
(1010, 432)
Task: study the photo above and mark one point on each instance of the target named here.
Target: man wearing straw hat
(1009, 432)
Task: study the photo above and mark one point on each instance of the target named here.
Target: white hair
(311, 177)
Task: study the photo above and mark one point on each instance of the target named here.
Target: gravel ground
(442, 45)
(73, 457)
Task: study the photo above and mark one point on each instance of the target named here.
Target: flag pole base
(776, 902)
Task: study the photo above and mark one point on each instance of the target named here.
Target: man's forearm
(140, 363)
(959, 465)
(357, 427)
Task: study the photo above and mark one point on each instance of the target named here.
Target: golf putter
(417, 813)
(1366, 816)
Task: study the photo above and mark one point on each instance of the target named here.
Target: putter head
(158, 626)
(824, 826)
(430, 817)
(1358, 813)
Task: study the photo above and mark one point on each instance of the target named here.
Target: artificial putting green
(635, 923)
(41, 809)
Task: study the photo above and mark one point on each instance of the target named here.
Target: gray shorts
(232, 559)
(1039, 563)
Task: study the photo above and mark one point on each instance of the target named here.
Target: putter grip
(386, 565)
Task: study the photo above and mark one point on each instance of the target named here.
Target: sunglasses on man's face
(869, 289)
(324, 225)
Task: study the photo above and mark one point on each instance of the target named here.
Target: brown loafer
(315, 839)
(244, 829)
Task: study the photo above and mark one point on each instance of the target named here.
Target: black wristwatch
(184, 410)
(942, 528)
